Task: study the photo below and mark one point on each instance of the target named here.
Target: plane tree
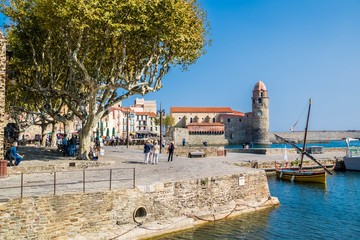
(94, 54)
(27, 103)
(27, 108)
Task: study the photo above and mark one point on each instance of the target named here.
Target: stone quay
(164, 198)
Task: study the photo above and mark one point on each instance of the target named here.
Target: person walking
(171, 149)
(156, 151)
(147, 148)
(151, 155)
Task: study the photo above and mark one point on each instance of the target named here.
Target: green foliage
(169, 121)
(92, 54)
(92, 46)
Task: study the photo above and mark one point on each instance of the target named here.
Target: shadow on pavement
(134, 162)
(40, 153)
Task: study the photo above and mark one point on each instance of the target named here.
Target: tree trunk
(53, 134)
(84, 146)
(66, 128)
(43, 135)
(86, 134)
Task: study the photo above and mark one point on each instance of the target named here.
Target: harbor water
(307, 211)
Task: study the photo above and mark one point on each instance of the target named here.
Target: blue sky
(298, 48)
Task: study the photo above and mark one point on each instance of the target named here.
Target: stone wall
(168, 206)
(209, 151)
(235, 129)
(197, 139)
(314, 136)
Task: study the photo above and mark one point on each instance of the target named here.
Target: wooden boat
(298, 174)
(301, 176)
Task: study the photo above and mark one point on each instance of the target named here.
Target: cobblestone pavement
(121, 157)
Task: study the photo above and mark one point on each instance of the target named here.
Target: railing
(64, 182)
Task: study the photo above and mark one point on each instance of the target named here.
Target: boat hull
(352, 163)
(305, 176)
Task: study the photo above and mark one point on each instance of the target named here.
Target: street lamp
(127, 129)
(161, 112)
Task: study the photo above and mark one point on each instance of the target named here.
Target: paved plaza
(124, 162)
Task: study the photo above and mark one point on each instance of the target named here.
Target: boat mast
(305, 135)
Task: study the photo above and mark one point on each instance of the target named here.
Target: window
(228, 119)
(191, 120)
(213, 120)
(239, 119)
(259, 100)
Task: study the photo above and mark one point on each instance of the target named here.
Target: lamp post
(127, 129)
(161, 112)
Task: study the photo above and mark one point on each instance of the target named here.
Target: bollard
(3, 168)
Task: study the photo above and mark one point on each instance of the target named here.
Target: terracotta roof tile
(201, 110)
(150, 114)
(231, 115)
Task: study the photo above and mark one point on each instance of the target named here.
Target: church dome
(260, 86)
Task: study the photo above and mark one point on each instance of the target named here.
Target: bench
(197, 154)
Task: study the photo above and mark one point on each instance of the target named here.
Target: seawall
(143, 212)
(298, 136)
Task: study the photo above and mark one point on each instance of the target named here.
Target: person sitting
(13, 154)
(93, 152)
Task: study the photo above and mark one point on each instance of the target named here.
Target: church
(223, 125)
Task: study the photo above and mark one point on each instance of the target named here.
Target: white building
(140, 117)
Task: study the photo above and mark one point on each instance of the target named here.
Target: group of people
(67, 146)
(113, 141)
(152, 151)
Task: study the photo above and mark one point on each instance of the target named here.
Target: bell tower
(260, 114)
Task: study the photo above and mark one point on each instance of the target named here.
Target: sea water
(306, 211)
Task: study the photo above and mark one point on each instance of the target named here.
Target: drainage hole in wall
(139, 215)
